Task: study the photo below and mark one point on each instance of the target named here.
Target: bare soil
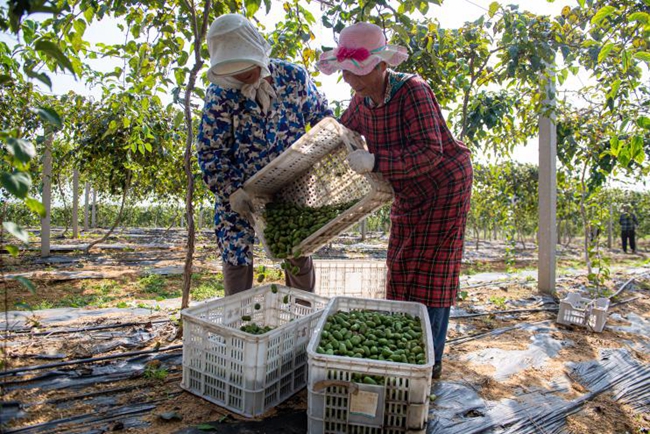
(175, 411)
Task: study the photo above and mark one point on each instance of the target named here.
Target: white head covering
(235, 46)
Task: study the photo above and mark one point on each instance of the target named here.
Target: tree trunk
(47, 197)
(65, 206)
(522, 240)
(199, 36)
(117, 219)
(93, 220)
(363, 229)
(86, 205)
(610, 226)
(75, 204)
(583, 214)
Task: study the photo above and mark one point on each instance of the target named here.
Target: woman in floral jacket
(255, 108)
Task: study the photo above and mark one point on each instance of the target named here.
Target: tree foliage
(491, 75)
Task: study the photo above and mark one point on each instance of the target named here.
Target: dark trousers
(238, 278)
(439, 318)
(628, 235)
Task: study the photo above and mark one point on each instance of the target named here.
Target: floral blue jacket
(236, 139)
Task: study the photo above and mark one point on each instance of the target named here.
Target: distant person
(628, 223)
(255, 108)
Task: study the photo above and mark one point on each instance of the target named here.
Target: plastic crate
(313, 172)
(245, 373)
(585, 312)
(351, 277)
(400, 405)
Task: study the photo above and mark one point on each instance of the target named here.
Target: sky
(452, 14)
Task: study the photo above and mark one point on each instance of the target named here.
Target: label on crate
(364, 403)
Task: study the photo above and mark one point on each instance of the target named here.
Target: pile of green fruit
(254, 329)
(288, 224)
(374, 335)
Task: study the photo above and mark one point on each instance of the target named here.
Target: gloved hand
(361, 161)
(241, 203)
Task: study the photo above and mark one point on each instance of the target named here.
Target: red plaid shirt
(431, 174)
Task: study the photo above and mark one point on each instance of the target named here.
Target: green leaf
(50, 116)
(581, 3)
(643, 55)
(36, 207)
(252, 6)
(637, 150)
(493, 8)
(16, 231)
(26, 283)
(52, 50)
(643, 122)
(614, 145)
(206, 427)
(80, 27)
(641, 17)
(604, 52)
(89, 13)
(613, 92)
(42, 77)
(16, 183)
(4, 79)
(13, 250)
(22, 150)
(602, 13)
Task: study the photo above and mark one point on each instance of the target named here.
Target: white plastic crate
(245, 373)
(314, 172)
(585, 312)
(337, 405)
(350, 277)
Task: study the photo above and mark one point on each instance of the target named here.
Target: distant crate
(313, 172)
(245, 373)
(350, 277)
(336, 404)
(585, 312)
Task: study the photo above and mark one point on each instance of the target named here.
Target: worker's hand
(240, 202)
(361, 161)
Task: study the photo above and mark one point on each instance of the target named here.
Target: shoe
(437, 371)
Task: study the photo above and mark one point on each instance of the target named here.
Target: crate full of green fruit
(370, 366)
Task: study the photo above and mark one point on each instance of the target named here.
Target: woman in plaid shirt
(431, 173)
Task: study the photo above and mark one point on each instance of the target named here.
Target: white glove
(240, 202)
(361, 161)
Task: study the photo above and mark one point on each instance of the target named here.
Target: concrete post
(547, 188)
(75, 204)
(47, 197)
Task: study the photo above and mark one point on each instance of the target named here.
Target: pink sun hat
(361, 47)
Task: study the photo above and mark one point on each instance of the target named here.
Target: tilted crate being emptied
(314, 173)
